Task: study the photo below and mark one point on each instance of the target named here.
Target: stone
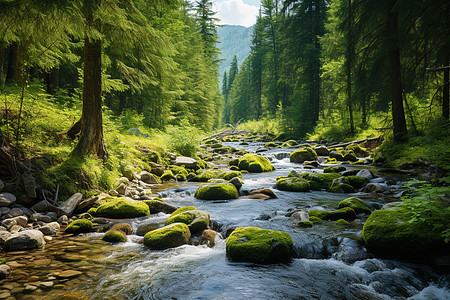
(292, 184)
(253, 244)
(40, 217)
(63, 220)
(366, 174)
(87, 203)
(2, 185)
(4, 210)
(341, 185)
(221, 191)
(143, 229)
(312, 163)
(301, 155)
(15, 212)
(118, 208)
(208, 238)
(69, 206)
(50, 229)
(27, 239)
(358, 205)
(46, 284)
(6, 199)
(114, 236)
(42, 206)
(345, 213)
(15, 229)
(157, 205)
(8, 223)
(265, 191)
(254, 163)
(21, 220)
(169, 236)
(124, 227)
(299, 216)
(113, 193)
(29, 185)
(148, 178)
(196, 220)
(188, 162)
(4, 235)
(122, 189)
(79, 226)
(237, 182)
(374, 188)
(69, 274)
(318, 181)
(322, 151)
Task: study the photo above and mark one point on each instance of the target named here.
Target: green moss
(208, 174)
(334, 169)
(231, 175)
(114, 236)
(357, 149)
(319, 214)
(2, 261)
(221, 191)
(169, 236)
(331, 161)
(391, 233)
(79, 226)
(305, 224)
(345, 213)
(289, 144)
(197, 220)
(167, 176)
(293, 184)
(123, 227)
(341, 185)
(342, 222)
(157, 205)
(234, 162)
(118, 208)
(300, 155)
(255, 163)
(320, 181)
(258, 245)
(358, 205)
(202, 164)
(315, 220)
(357, 182)
(234, 168)
(183, 209)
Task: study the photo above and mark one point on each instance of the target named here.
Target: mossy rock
(271, 144)
(350, 156)
(345, 213)
(234, 162)
(167, 176)
(118, 208)
(293, 184)
(79, 226)
(157, 205)
(197, 220)
(221, 191)
(331, 161)
(305, 224)
(301, 155)
(255, 163)
(357, 149)
(231, 175)
(253, 244)
(202, 164)
(358, 205)
(334, 169)
(341, 185)
(208, 174)
(234, 168)
(318, 181)
(124, 227)
(169, 236)
(391, 233)
(315, 220)
(288, 144)
(182, 209)
(322, 150)
(342, 222)
(114, 236)
(357, 182)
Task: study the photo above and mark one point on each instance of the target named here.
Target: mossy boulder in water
(292, 184)
(79, 226)
(301, 155)
(290, 143)
(345, 213)
(357, 149)
(231, 175)
(168, 175)
(322, 150)
(208, 175)
(255, 163)
(341, 185)
(157, 205)
(357, 182)
(169, 236)
(221, 191)
(318, 181)
(118, 208)
(183, 209)
(334, 169)
(271, 144)
(114, 236)
(358, 205)
(253, 244)
(391, 233)
(196, 220)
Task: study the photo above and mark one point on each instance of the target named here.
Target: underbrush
(272, 126)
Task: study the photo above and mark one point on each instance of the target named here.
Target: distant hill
(234, 40)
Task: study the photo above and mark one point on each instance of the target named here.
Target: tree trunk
(445, 92)
(348, 60)
(2, 62)
(395, 80)
(12, 62)
(91, 139)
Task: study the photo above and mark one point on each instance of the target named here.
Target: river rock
(2, 185)
(221, 191)
(299, 216)
(253, 244)
(341, 185)
(42, 206)
(29, 185)
(5, 270)
(170, 236)
(188, 162)
(4, 235)
(6, 199)
(293, 184)
(143, 229)
(208, 238)
(4, 210)
(237, 182)
(15, 212)
(63, 220)
(118, 208)
(114, 236)
(79, 226)
(335, 154)
(40, 217)
(345, 213)
(322, 151)
(8, 223)
(310, 163)
(196, 220)
(366, 174)
(69, 274)
(374, 188)
(157, 205)
(50, 229)
(27, 239)
(255, 163)
(301, 155)
(69, 206)
(358, 205)
(148, 178)
(268, 193)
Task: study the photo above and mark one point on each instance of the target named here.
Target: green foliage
(273, 126)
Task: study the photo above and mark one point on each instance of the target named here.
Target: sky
(237, 12)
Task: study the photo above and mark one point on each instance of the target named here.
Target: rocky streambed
(327, 259)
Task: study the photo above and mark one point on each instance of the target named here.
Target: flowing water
(328, 263)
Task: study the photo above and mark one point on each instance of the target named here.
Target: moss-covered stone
(345, 213)
(234, 162)
(358, 205)
(221, 191)
(234, 168)
(390, 233)
(197, 220)
(255, 163)
(169, 236)
(167, 176)
(231, 175)
(331, 161)
(357, 149)
(208, 175)
(334, 169)
(157, 205)
(342, 222)
(118, 208)
(258, 245)
(318, 181)
(301, 155)
(322, 150)
(288, 144)
(182, 209)
(305, 224)
(271, 144)
(350, 156)
(79, 226)
(293, 184)
(341, 185)
(124, 227)
(357, 182)
(315, 220)
(114, 236)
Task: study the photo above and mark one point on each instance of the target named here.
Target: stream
(328, 264)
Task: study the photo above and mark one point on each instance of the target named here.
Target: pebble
(46, 284)
(30, 288)
(4, 295)
(15, 264)
(69, 274)
(15, 212)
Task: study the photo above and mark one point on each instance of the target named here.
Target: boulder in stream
(341, 185)
(221, 191)
(196, 220)
(292, 184)
(79, 226)
(6, 199)
(24, 240)
(114, 236)
(358, 205)
(157, 205)
(169, 236)
(255, 163)
(118, 208)
(345, 213)
(253, 244)
(301, 155)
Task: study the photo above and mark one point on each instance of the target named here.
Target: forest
(131, 168)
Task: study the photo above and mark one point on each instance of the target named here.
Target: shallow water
(327, 264)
